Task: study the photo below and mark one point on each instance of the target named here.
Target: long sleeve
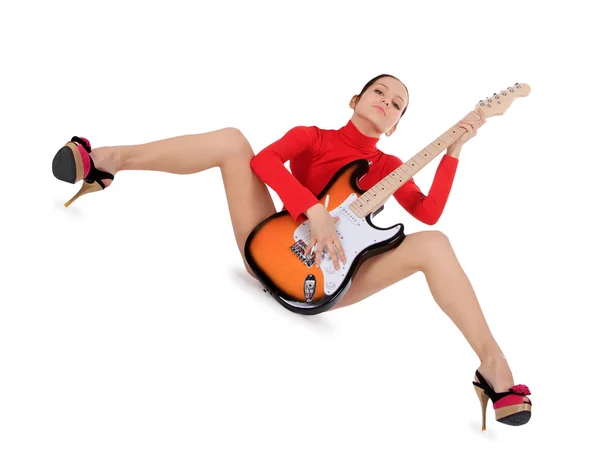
(268, 165)
(426, 208)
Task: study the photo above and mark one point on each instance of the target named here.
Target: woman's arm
(268, 164)
(426, 208)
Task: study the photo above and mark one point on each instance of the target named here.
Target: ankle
(497, 372)
(116, 157)
(107, 159)
(493, 359)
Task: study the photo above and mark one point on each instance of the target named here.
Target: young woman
(315, 155)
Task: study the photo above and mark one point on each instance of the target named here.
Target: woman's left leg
(430, 252)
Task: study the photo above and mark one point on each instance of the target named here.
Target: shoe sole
(519, 418)
(67, 165)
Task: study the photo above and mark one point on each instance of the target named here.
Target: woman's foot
(497, 373)
(106, 159)
(76, 161)
(493, 380)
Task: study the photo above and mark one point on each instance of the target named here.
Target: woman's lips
(380, 109)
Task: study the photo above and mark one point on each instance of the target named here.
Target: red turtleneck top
(315, 156)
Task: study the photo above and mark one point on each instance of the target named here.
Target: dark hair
(372, 81)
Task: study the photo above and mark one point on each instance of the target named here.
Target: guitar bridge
(299, 249)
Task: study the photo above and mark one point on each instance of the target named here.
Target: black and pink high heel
(73, 163)
(512, 407)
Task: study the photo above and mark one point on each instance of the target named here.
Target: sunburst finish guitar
(276, 249)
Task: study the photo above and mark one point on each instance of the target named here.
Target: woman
(315, 155)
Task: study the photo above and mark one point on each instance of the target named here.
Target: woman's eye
(395, 104)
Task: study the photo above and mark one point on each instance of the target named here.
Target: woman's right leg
(228, 149)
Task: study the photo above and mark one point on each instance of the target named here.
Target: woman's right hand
(324, 234)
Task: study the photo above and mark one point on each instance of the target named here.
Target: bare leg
(430, 252)
(248, 199)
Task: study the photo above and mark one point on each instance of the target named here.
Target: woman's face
(382, 103)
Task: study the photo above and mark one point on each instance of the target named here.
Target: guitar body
(275, 250)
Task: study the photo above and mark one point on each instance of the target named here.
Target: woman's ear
(353, 101)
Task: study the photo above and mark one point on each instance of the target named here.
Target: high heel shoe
(73, 163)
(512, 407)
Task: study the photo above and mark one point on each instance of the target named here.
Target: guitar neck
(373, 198)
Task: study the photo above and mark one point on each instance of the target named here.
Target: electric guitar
(276, 249)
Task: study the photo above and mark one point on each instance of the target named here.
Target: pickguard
(355, 234)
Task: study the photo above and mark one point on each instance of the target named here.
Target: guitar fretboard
(380, 192)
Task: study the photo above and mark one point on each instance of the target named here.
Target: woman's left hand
(471, 129)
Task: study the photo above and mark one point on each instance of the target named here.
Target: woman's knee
(435, 238)
(239, 149)
(238, 139)
(429, 245)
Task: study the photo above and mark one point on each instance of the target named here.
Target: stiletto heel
(512, 407)
(73, 163)
(483, 399)
(86, 187)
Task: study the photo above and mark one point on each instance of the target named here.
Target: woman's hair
(372, 81)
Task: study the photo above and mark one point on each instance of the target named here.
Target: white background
(129, 331)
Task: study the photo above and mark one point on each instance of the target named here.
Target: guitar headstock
(500, 102)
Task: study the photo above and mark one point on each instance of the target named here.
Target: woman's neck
(365, 126)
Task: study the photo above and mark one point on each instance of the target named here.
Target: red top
(315, 156)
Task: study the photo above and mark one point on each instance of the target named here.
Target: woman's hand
(324, 235)
(471, 129)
